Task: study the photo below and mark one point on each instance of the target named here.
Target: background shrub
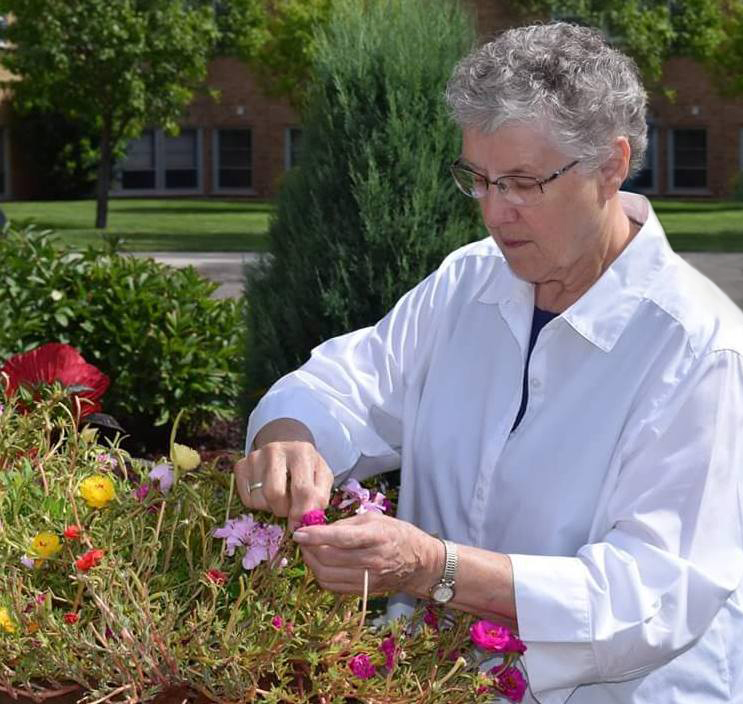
(155, 331)
(371, 209)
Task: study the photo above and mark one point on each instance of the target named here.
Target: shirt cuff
(332, 439)
(553, 613)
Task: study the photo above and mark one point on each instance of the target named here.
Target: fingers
(355, 533)
(310, 488)
(287, 479)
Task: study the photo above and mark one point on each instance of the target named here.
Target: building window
(234, 160)
(138, 167)
(645, 179)
(181, 160)
(158, 162)
(292, 144)
(688, 159)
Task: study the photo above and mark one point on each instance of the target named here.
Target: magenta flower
(509, 682)
(315, 517)
(515, 645)
(362, 666)
(277, 622)
(431, 619)
(140, 493)
(163, 475)
(490, 636)
(387, 646)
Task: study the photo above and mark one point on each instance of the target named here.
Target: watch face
(442, 593)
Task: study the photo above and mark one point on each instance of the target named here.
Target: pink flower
(353, 492)
(509, 682)
(362, 666)
(387, 646)
(163, 474)
(277, 622)
(28, 562)
(71, 617)
(377, 504)
(261, 540)
(490, 636)
(315, 517)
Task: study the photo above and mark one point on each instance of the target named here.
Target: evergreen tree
(371, 208)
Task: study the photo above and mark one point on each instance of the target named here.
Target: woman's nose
(496, 210)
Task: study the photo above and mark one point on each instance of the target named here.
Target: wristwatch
(443, 591)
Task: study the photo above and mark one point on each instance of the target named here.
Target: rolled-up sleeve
(672, 552)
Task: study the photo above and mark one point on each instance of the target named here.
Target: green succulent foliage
(371, 208)
(151, 619)
(155, 331)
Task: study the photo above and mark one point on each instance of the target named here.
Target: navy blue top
(540, 319)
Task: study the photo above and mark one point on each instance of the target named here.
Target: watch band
(451, 560)
(443, 591)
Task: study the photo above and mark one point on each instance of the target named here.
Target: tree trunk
(104, 177)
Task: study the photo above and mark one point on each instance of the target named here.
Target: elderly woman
(565, 399)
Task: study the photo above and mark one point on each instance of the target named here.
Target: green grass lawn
(701, 226)
(155, 225)
(201, 225)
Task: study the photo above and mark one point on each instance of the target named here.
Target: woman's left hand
(397, 555)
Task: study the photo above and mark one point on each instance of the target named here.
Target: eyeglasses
(517, 190)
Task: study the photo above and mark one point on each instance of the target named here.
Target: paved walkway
(726, 270)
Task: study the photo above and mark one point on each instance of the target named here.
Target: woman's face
(555, 238)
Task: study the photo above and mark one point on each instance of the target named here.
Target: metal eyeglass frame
(496, 182)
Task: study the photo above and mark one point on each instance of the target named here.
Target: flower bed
(133, 582)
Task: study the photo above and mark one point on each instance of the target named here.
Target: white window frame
(159, 152)
(288, 146)
(672, 188)
(215, 163)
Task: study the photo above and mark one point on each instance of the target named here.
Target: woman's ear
(615, 169)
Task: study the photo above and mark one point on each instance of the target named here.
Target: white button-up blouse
(618, 498)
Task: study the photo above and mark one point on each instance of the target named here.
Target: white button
(535, 384)
(480, 494)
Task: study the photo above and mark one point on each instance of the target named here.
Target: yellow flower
(6, 623)
(97, 490)
(89, 434)
(45, 544)
(185, 458)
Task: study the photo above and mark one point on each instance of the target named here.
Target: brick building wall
(238, 146)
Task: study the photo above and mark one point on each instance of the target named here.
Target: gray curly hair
(561, 76)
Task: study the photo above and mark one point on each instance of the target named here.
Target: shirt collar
(603, 312)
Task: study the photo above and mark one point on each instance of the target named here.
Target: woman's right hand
(293, 477)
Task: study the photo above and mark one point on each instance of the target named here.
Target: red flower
(88, 560)
(216, 576)
(71, 617)
(57, 362)
(73, 532)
